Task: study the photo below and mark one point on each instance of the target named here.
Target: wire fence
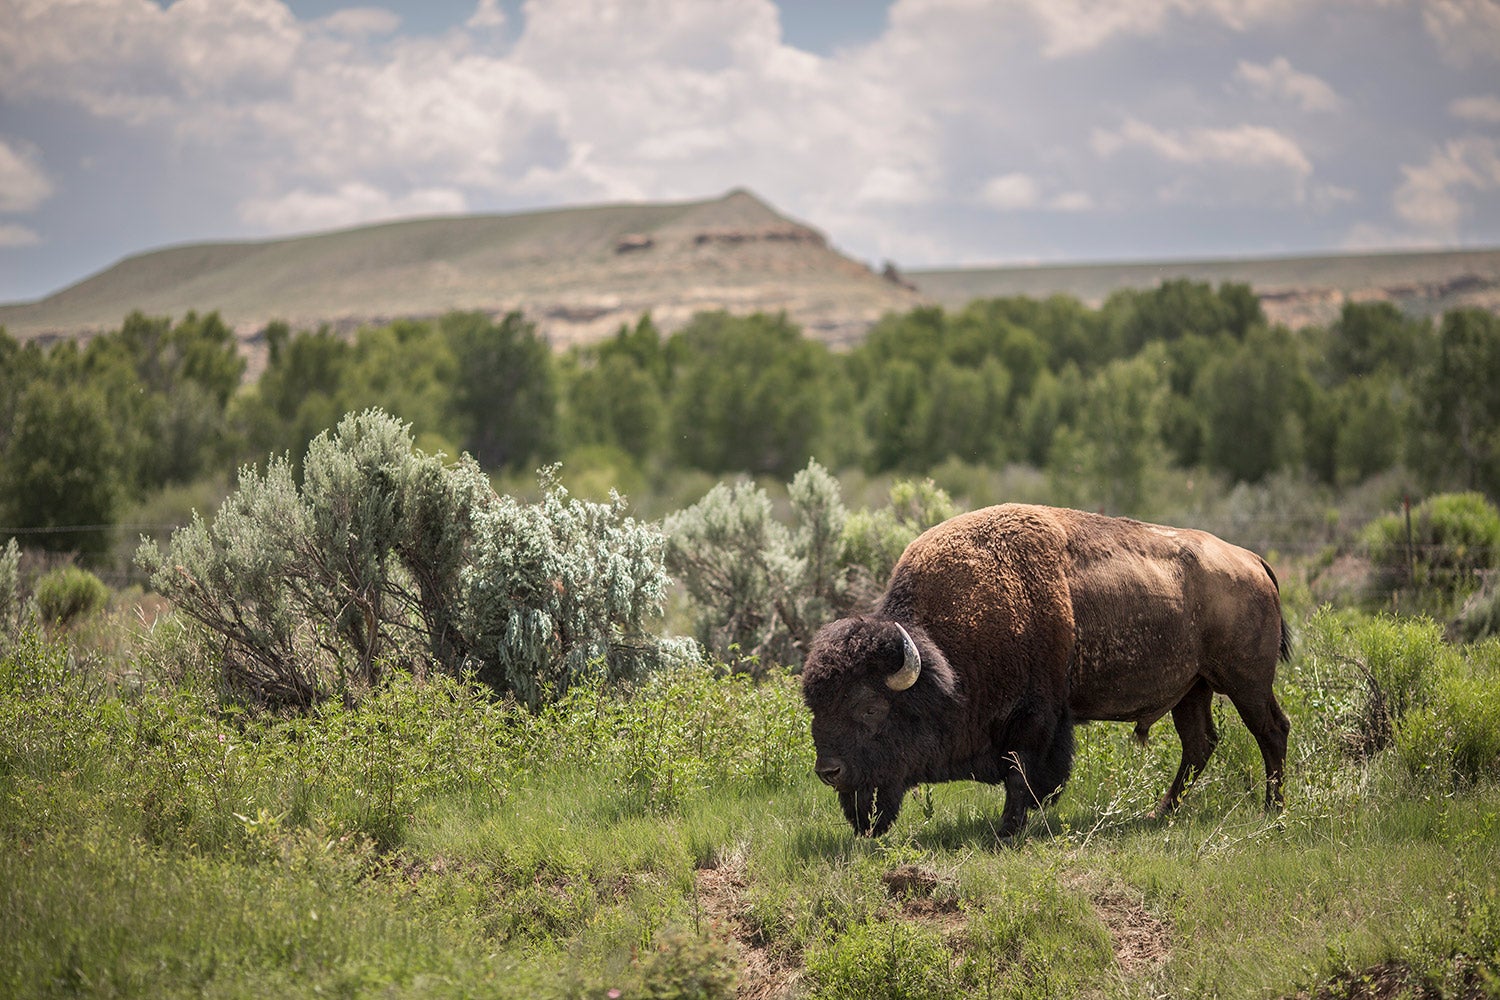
(64, 529)
(1287, 536)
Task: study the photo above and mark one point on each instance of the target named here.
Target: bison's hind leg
(1194, 718)
(1270, 727)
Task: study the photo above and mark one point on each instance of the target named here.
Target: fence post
(1411, 554)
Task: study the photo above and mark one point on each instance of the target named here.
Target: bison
(1002, 627)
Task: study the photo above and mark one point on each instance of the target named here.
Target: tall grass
(669, 840)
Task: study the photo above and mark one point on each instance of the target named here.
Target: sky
(924, 132)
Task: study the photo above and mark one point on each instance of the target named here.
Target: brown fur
(1031, 617)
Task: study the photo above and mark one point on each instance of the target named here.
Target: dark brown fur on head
(874, 743)
(871, 648)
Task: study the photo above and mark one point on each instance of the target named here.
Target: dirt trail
(1142, 943)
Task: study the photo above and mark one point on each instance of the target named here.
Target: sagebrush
(387, 557)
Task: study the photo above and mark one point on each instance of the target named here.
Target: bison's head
(883, 703)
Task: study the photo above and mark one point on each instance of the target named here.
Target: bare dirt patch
(909, 880)
(1141, 941)
(924, 896)
(764, 974)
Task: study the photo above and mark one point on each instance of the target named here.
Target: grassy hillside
(579, 272)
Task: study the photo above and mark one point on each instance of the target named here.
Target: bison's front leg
(1037, 769)
(871, 811)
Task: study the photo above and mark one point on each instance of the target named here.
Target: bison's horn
(910, 668)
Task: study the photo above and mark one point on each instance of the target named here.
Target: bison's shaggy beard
(872, 810)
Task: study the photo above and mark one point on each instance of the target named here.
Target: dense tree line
(1104, 399)
(84, 428)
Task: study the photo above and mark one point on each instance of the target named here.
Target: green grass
(670, 841)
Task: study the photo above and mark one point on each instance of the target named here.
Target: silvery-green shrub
(733, 557)
(559, 590)
(874, 539)
(386, 556)
(761, 588)
(12, 600)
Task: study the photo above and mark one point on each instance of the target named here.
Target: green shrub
(69, 593)
(1454, 538)
(886, 960)
(1456, 953)
(177, 769)
(1034, 939)
(1479, 618)
(1388, 682)
(1454, 736)
(1403, 656)
(388, 556)
(681, 733)
(684, 966)
(1371, 685)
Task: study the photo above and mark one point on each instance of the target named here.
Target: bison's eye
(873, 712)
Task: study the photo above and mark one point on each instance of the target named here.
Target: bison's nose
(829, 769)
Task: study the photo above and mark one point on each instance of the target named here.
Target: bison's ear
(911, 663)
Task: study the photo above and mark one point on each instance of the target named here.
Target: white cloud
(600, 99)
(361, 22)
(1255, 146)
(617, 36)
(1072, 201)
(487, 15)
(1024, 106)
(1483, 108)
(1431, 197)
(1016, 191)
(1072, 27)
(1011, 192)
(12, 235)
(350, 204)
(1277, 80)
(1464, 30)
(24, 185)
(157, 63)
(891, 186)
(1240, 166)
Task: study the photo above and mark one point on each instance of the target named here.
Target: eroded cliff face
(1295, 291)
(1299, 307)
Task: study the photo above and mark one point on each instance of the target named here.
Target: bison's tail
(1286, 633)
